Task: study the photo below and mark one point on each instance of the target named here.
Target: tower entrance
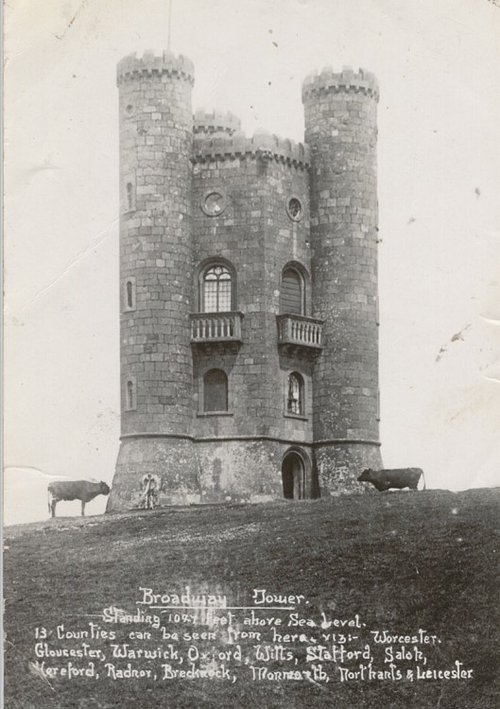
(293, 474)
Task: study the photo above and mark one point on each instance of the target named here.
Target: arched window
(215, 390)
(295, 395)
(216, 289)
(292, 292)
(130, 402)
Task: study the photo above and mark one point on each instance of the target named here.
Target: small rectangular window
(128, 194)
(295, 395)
(130, 394)
(129, 294)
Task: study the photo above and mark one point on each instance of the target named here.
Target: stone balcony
(207, 328)
(300, 332)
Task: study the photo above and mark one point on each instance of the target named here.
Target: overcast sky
(437, 62)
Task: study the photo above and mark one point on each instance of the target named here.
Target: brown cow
(398, 478)
(83, 490)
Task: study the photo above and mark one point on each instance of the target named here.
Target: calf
(74, 490)
(395, 478)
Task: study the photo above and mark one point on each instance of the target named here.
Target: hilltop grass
(402, 561)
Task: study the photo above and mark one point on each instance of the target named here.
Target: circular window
(129, 109)
(294, 209)
(213, 204)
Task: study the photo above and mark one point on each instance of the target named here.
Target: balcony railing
(216, 327)
(300, 331)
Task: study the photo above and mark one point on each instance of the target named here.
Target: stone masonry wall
(155, 260)
(155, 241)
(202, 472)
(257, 237)
(340, 120)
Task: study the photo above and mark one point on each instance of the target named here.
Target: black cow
(396, 478)
(74, 490)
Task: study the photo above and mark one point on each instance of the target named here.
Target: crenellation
(347, 81)
(166, 65)
(263, 145)
(216, 122)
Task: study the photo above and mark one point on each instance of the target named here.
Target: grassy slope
(402, 561)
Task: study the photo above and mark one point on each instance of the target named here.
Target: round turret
(341, 132)
(156, 137)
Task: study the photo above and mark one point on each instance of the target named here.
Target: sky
(439, 179)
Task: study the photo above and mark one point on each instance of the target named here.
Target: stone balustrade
(216, 327)
(300, 331)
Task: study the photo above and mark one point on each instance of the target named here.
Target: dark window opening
(215, 391)
(294, 208)
(130, 294)
(295, 396)
(293, 477)
(291, 294)
(130, 394)
(213, 204)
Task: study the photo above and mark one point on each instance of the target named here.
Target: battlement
(132, 66)
(346, 81)
(262, 145)
(216, 122)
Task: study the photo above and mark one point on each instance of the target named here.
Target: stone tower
(248, 294)
(341, 132)
(156, 139)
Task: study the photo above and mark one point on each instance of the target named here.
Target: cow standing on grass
(74, 490)
(397, 478)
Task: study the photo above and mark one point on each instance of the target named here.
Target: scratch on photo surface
(440, 697)
(490, 321)
(458, 336)
(101, 237)
(32, 468)
(316, 684)
(38, 672)
(35, 669)
(70, 23)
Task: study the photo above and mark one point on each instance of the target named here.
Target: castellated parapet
(248, 284)
(263, 145)
(132, 67)
(347, 80)
(216, 122)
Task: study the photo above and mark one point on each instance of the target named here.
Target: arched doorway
(293, 474)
